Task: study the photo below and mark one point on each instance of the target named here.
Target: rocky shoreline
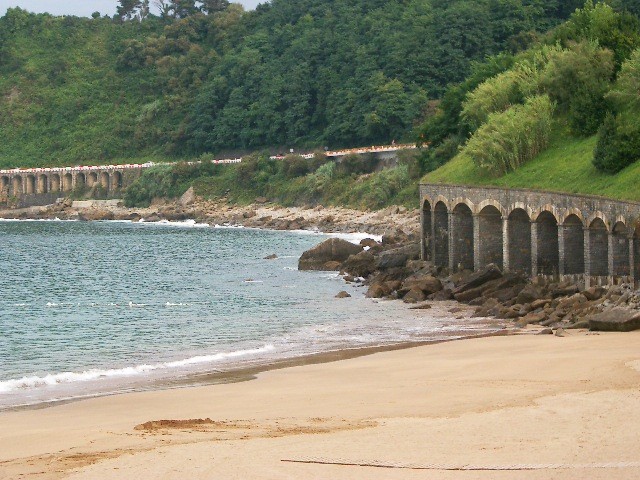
(261, 214)
(391, 268)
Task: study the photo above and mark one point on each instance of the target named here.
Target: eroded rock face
(334, 250)
(488, 273)
(615, 320)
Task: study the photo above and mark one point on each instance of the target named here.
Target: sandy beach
(562, 406)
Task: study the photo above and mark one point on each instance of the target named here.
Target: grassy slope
(565, 167)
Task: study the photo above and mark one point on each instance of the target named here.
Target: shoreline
(442, 404)
(234, 374)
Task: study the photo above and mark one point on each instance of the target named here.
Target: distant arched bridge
(40, 186)
(585, 238)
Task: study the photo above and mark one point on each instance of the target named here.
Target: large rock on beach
(332, 250)
(361, 264)
(488, 273)
(615, 320)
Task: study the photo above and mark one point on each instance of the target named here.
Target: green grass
(564, 167)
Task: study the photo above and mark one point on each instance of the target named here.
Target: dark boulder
(488, 273)
(361, 264)
(332, 250)
(615, 320)
(415, 295)
(343, 294)
(423, 281)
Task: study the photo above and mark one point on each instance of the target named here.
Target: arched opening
(42, 184)
(548, 250)
(427, 223)
(17, 185)
(4, 184)
(92, 179)
(104, 181)
(116, 182)
(441, 235)
(30, 186)
(620, 250)
(462, 230)
(573, 234)
(67, 182)
(599, 248)
(55, 182)
(520, 242)
(81, 180)
(490, 238)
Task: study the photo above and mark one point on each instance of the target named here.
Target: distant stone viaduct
(40, 186)
(587, 239)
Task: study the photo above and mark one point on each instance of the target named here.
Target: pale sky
(82, 7)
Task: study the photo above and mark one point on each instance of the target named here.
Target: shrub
(295, 166)
(511, 138)
(618, 143)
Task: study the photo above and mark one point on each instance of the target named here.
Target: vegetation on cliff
(588, 70)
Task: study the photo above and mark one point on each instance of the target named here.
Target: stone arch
(598, 215)
(490, 236)
(546, 210)
(427, 224)
(620, 250)
(92, 179)
(575, 213)
(490, 202)
(43, 184)
(461, 200)
(67, 182)
(521, 206)
(598, 248)
(116, 181)
(573, 235)
(441, 235)
(548, 258)
(56, 184)
(5, 182)
(104, 181)
(81, 180)
(16, 184)
(462, 237)
(519, 233)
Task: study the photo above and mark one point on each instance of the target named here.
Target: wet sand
(563, 406)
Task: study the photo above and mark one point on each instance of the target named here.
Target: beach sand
(502, 402)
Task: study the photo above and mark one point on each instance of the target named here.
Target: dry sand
(498, 401)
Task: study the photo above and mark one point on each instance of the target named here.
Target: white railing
(133, 166)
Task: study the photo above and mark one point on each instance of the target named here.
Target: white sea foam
(31, 382)
(182, 223)
(355, 237)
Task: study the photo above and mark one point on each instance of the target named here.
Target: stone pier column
(534, 249)
(423, 233)
(587, 258)
(610, 256)
(561, 251)
(505, 244)
(433, 234)
(452, 248)
(632, 259)
(476, 243)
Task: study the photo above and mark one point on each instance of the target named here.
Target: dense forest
(208, 78)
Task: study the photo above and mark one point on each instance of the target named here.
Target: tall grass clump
(511, 138)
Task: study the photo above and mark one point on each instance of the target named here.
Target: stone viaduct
(582, 238)
(38, 186)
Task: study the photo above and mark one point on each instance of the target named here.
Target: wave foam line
(31, 382)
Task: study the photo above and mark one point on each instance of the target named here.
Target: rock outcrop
(329, 255)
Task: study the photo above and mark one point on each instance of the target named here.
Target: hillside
(566, 166)
(293, 73)
(562, 116)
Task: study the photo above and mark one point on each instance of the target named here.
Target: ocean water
(102, 307)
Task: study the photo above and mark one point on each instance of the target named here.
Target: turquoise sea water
(101, 307)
